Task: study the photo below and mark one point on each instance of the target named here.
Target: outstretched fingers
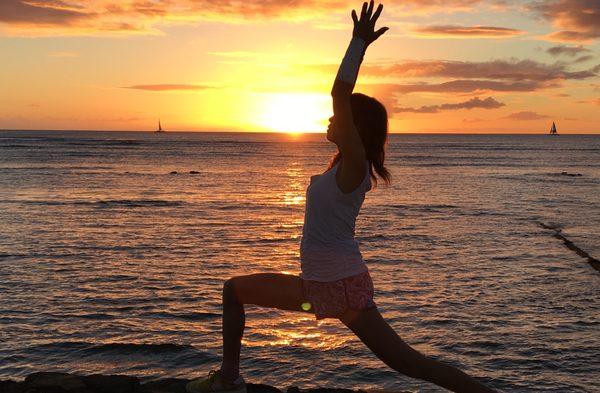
(380, 32)
(377, 13)
(363, 11)
(370, 9)
(364, 26)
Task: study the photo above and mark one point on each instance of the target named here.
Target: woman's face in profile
(331, 129)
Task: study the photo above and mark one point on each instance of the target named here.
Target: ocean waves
(124, 203)
(54, 142)
(83, 348)
(110, 264)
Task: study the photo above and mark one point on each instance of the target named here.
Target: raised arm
(347, 137)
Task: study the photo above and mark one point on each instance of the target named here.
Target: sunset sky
(467, 66)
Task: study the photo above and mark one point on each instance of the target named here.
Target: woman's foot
(215, 383)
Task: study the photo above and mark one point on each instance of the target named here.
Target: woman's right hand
(364, 28)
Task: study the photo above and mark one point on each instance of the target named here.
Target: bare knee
(229, 291)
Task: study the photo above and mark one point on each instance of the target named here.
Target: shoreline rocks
(52, 382)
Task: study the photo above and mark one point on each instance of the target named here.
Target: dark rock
(56, 382)
(595, 263)
(47, 389)
(173, 172)
(10, 387)
(295, 389)
(67, 383)
(571, 174)
(167, 385)
(112, 383)
(194, 172)
(260, 388)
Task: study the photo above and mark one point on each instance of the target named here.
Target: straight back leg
(370, 327)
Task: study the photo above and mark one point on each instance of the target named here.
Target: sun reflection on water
(294, 191)
(293, 329)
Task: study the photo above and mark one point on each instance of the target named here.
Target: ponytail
(371, 120)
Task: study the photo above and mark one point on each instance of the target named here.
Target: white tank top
(328, 250)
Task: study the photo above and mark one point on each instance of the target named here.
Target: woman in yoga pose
(335, 281)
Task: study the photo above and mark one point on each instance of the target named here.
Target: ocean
(114, 247)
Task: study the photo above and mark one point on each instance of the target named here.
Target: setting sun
(296, 113)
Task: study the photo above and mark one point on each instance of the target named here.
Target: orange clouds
(571, 51)
(44, 13)
(488, 103)
(470, 77)
(578, 19)
(86, 16)
(526, 115)
(55, 17)
(505, 76)
(466, 86)
(496, 69)
(76, 17)
(467, 31)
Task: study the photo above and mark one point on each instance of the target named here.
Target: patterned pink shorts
(331, 299)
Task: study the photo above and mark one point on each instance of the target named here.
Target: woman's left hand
(364, 27)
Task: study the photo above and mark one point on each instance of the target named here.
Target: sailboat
(553, 129)
(159, 127)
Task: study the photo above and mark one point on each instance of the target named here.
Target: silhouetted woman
(335, 281)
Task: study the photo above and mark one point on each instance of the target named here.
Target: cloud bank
(465, 86)
(467, 31)
(77, 17)
(571, 51)
(488, 103)
(578, 20)
(526, 115)
(511, 69)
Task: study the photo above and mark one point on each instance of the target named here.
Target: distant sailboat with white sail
(553, 129)
(159, 127)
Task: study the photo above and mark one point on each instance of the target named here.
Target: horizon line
(290, 133)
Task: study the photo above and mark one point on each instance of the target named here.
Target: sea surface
(114, 248)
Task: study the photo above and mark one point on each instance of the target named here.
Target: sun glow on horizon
(296, 113)
(464, 66)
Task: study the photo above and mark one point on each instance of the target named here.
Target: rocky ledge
(46, 382)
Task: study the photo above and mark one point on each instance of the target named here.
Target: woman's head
(371, 121)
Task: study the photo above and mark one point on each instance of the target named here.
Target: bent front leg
(234, 321)
(282, 291)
